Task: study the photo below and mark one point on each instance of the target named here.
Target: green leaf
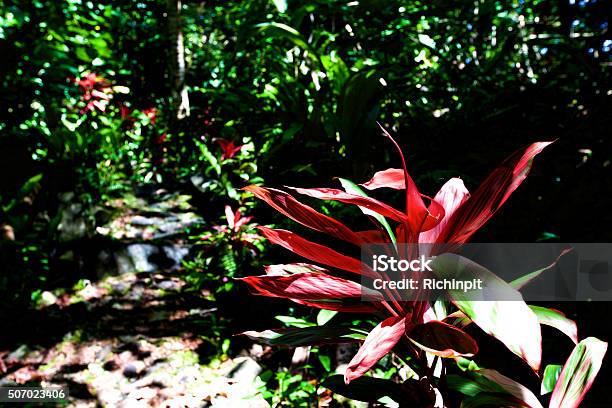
(30, 185)
(442, 339)
(281, 5)
(519, 283)
(466, 364)
(492, 400)
(509, 320)
(336, 70)
(578, 373)
(325, 316)
(556, 319)
(353, 188)
(366, 389)
(471, 385)
(325, 362)
(294, 321)
(209, 157)
(519, 391)
(307, 336)
(25, 189)
(81, 54)
(549, 378)
(280, 30)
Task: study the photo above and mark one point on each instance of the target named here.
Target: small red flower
(125, 111)
(161, 138)
(151, 113)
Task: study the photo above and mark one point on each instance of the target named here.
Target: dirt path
(137, 339)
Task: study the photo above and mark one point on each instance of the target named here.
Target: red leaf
(377, 344)
(315, 252)
(442, 339)
(305, 215)
(228, 148)
(345, 305)
(489, 196)
(362, 201)
(390, 178)
(308, 286)
(373, 236)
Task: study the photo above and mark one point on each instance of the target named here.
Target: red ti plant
(96, 92)
(228, 148)
(238, 231)
(431, 335)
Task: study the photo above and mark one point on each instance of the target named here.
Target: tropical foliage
(136, 138)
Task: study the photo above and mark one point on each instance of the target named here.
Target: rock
(245, 370)
(145, 221)
(168, 285)
(72, 225)
(135, 258)
(176, 253)
(300, 355)
(134, 369)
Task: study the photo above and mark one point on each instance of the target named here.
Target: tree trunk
(180, 97)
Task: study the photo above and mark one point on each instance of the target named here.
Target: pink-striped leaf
(508, 319)
(353, 188)
(578, 373)
(514, 388)
(556, 319)
(377, 344)
(370, 203)
(308, 336)
(452, 195)
(420, 217)
(348, 305)
(442, 339)
(489, 196)
(548, 317)
(524, 280)
(308, 286)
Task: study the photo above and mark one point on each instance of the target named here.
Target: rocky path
(136, 338)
